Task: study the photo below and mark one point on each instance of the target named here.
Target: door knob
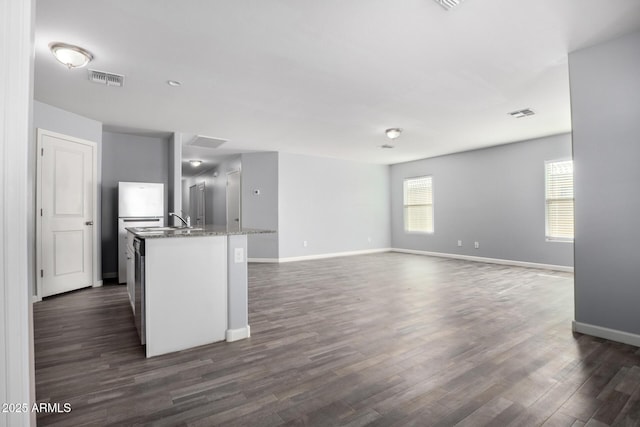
(88, 223)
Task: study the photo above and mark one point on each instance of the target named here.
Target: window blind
(559, 200)
(418, 204)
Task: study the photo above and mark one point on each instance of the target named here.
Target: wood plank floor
(382, 340)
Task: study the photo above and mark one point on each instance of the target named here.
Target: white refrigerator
(140, 204)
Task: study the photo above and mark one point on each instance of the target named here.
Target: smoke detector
(104, 78)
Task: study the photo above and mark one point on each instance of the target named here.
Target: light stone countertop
(207, 230)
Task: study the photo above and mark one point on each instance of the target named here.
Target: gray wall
(260, 172)
(605, 87)
(335, 205)
(127, 158)
(494, 196)
(175, 176)
(57, 120)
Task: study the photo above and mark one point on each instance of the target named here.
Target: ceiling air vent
(522, 113)
(386, 146)
(104, 78)
(206, 142)
(448, 4)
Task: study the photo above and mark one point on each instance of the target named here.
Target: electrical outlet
(477, 245)
(238, 255)
(459, 243)
(304, 243)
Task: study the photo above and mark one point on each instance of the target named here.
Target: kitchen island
(190, 286)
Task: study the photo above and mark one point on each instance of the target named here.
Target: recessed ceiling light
(522, 113)
(195, 163)
(393, 133)
(69, 55)
(174, 83)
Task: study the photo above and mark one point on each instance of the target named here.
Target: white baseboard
(606, 333)
(320, 256)
(263, 260)
(488, 260)
(109, 275)
(238, 334)
(97, 284)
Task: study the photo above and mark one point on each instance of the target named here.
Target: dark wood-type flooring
(381, 340)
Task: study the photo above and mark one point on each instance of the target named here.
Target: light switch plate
(238, 255)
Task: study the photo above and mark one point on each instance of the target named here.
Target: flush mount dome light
(195, 163)
(393, 133)
(70, 55)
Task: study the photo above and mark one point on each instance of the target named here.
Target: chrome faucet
(187, 222)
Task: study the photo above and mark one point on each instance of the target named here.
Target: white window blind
(418, 204)
(559, 200)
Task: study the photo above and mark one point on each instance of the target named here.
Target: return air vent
(104, 78)
(448, 4)
(206, 142)
(522, 113)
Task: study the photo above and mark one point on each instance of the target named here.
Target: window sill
(558, 240)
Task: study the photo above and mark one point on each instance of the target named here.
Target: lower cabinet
(131, 277)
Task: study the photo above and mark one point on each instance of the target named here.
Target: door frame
(40, 133)
(239, 197)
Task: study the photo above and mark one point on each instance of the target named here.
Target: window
(418, 204)
(559, 200)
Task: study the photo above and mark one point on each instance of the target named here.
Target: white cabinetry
(185, 292)
(131, 265)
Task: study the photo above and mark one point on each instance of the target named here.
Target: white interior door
(197, 204)
(66, 197)
(233, 200)
(193, 204)
(200, 218)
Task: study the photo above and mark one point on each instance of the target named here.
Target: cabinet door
(131, 264)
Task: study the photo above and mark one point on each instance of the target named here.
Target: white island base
(195, 293)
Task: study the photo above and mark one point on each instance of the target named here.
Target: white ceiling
(327, 77)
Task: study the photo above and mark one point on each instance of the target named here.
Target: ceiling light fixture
(195, 163)
(393, 133)
(174, 83)
(69, 55)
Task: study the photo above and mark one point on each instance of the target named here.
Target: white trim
(488, 260)
(226, 201)
(333, 255)
(238, 334)
(263, 260)
(96, 237)
(606, 333)
(16, 94)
